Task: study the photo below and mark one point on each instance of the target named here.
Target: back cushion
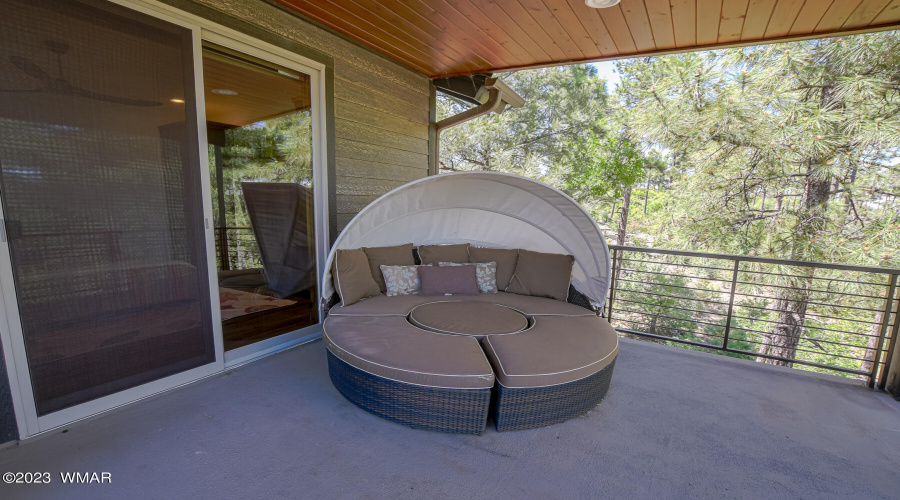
(400, 255)
(352, 277)
(542, 275)
(505, 259)
(453, 280)
(432, 254)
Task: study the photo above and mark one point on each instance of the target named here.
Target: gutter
(498, 97)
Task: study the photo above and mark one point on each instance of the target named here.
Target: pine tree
(784, 150)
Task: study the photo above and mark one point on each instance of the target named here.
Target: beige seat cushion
(534, 306)
(390, 347)
(467, 318)
(556, 350)
(381, 305)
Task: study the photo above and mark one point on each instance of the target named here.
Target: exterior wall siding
(381, 108)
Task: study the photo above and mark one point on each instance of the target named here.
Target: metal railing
(826, 317)
(236, 248)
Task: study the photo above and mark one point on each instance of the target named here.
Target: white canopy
(488, 209)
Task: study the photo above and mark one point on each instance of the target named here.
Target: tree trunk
(872, 343)
(646, 195)
(791, 303)
(623, 217)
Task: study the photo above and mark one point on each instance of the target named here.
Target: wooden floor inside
(262, 325)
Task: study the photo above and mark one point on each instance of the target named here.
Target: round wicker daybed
(448, 362)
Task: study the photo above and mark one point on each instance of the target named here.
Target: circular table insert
(468, 318)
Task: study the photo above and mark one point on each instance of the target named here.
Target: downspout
(494, 101)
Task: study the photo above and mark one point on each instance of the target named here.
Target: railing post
(613, 283)
(893, 347)
(885, 320)
(734, 277)
(223, 248)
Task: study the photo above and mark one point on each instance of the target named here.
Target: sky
(607, 70)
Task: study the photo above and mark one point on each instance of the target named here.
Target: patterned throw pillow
(485, 274)
(400, 280)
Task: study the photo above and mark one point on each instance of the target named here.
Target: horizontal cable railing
(236, 248)
(820, 316)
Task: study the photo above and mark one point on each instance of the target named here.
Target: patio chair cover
(279, 216)
(488, 209)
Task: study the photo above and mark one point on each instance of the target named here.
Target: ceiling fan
(59, 85)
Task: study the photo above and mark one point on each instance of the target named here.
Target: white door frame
(11, 335)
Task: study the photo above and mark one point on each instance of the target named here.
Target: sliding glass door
(101, 191)
(162, 202)
(260, 134)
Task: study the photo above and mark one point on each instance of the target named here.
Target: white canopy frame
(488, 209)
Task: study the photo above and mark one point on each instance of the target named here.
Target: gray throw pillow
(542, 275)
(432, 254)
(504, 257)
(400, 255)
(450, 280)
(352, 277)
(401, 280)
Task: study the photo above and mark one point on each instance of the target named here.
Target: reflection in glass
(260, 135)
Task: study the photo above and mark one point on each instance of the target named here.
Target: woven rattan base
(462, 411)
(516, 408)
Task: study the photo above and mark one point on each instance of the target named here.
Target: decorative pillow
(401, 280)
(448, 280)
(542, 275)
(400, 255)
(485, 274)
(352, 277)
(432, 254)
(505, 259)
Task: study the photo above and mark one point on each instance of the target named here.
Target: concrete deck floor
(676, 424)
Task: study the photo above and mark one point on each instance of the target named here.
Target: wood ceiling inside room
(459, 37)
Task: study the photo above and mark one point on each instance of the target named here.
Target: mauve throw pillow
(485, 274)
(456, 280)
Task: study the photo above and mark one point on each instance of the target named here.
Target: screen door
(101, 189)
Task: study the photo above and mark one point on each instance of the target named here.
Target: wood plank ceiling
(459, 37)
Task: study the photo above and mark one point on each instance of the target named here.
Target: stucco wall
(381, 107)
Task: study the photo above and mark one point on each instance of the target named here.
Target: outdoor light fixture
(600, 4)
(224, 92)
(178, 101)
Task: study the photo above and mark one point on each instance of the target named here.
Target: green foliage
(564, 108)
(611, 164)
(788, 151)
(749, 130)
